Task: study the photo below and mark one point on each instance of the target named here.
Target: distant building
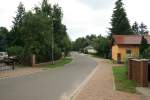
(125, 46)
(89, 49)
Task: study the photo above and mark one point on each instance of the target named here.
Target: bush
(147, 53)
(57, 53)
(16, 51)
(102, 46)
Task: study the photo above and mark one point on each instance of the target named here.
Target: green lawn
(60, 63)
(121, 80)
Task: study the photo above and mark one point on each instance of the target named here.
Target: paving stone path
(101, 87)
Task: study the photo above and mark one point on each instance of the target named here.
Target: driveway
(52, 84)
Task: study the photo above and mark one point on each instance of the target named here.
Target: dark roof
(129, 39)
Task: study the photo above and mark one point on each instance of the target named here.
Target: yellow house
(125, 46)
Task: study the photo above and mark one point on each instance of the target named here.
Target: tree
(135, 28)
(147, 52)
(139, 29)
(90, 38)
(143, 46)
(19, 17)
(80, 44)
(119, 22)
(16, 33)
(67, 45)
(32, 33)
(101, 44)
(58, 28)
(143, 29)
(3, 38)
(37, 33)
(46, 8)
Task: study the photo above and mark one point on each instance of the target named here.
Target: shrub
(16, 51)
(57, 53)
(147, 53)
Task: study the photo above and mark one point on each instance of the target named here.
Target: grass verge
(95, 55)
(121, 80)
(110, 61)
(60, 63)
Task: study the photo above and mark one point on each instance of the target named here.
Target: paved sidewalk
(101, 87)
(19, 72)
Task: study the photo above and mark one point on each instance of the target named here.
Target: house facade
(125, 46)
(90, 49)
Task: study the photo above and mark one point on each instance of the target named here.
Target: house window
(128, 51)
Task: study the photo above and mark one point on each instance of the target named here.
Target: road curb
(81, 86)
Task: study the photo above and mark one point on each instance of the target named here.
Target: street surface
(52, 84)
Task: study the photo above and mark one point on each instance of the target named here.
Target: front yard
(121, 80)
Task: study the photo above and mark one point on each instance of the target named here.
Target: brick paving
(101, 87)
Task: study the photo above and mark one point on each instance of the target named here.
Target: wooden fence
(138, 71)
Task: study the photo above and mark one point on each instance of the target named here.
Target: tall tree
(135, 28)
(139, 29)
(32, 33)
(143, 46)
(37, 33)
(46, 8)
(59, 30)
(20, 15)
(119, 22)
(57, 25)
(16, 34)
(143, 29)
(3, 38)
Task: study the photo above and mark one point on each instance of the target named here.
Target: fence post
(130, 68)
(144, 72)
(33, 62)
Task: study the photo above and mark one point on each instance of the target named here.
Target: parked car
(3, 55)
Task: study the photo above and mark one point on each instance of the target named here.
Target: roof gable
(129, 39)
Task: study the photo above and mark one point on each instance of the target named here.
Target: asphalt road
(55, 84)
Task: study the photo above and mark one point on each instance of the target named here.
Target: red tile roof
(129, 39)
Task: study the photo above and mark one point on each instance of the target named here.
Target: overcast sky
(82, 17)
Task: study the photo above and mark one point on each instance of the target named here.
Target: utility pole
(52, 48)
(52, 41)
